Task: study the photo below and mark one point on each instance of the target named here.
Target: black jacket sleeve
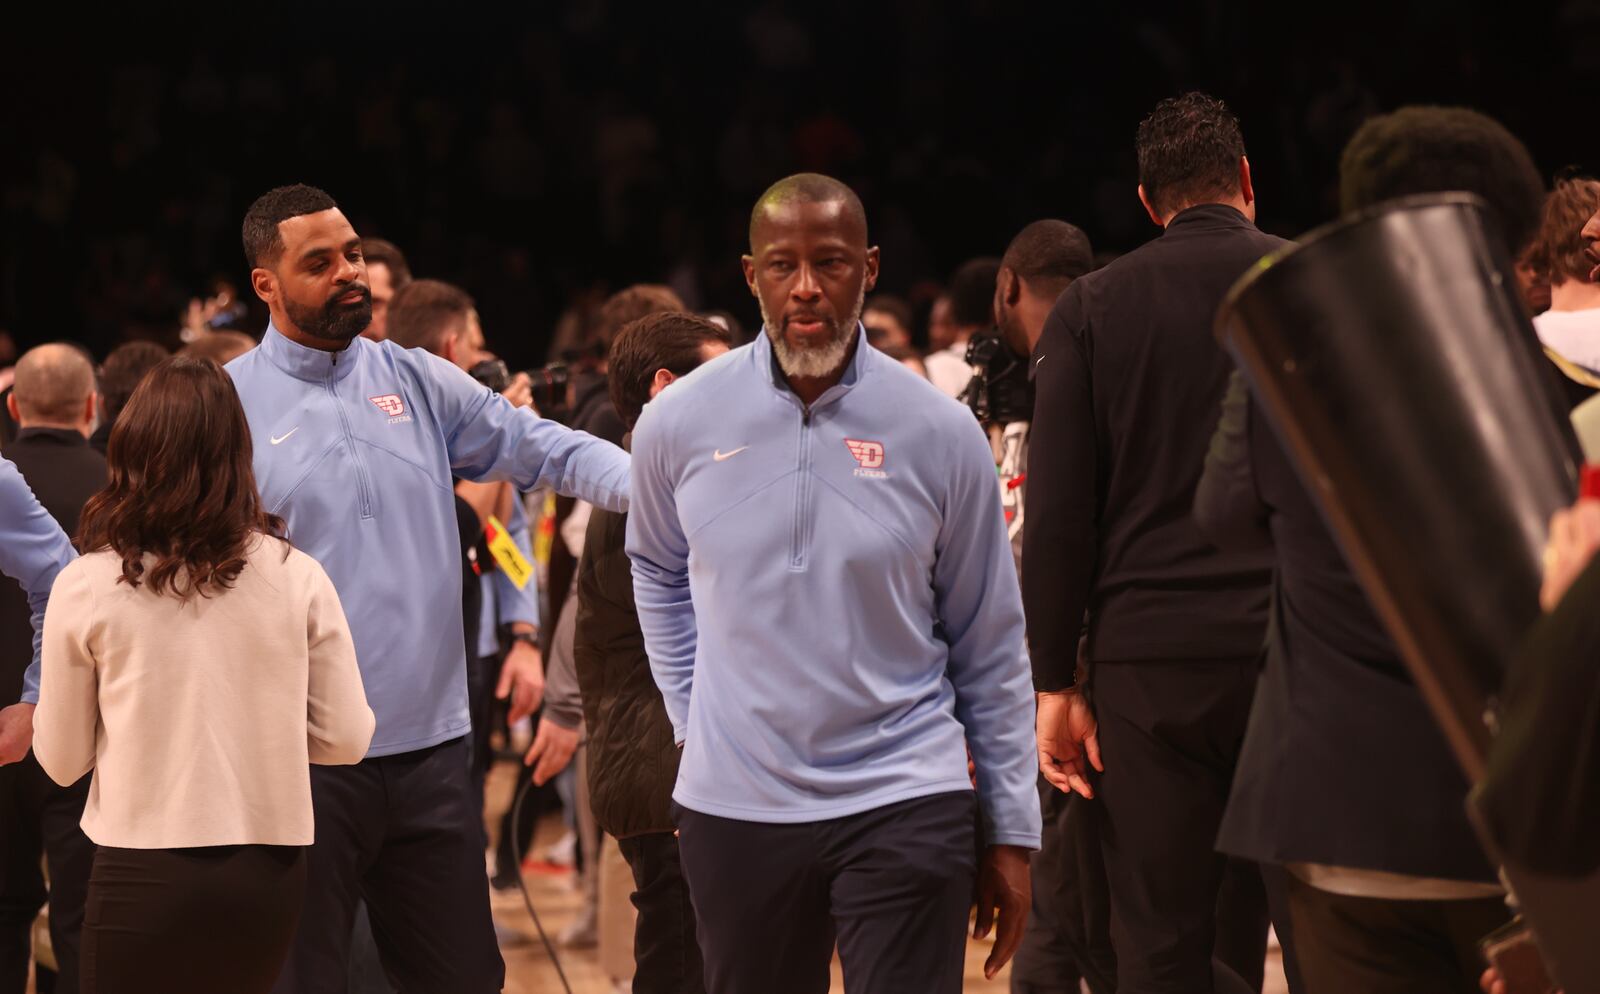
(1227, 506)
(1059, 534)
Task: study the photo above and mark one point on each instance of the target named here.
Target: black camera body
(1000, 390)
(550, 394)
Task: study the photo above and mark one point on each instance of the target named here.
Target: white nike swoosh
(1038, 360)
(285, 438)
(720, 455)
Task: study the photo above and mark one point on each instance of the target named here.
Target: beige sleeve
(68, 716)
(339, 723)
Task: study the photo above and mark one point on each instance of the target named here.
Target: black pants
(892, 885)
(482, 675)
(39, 817)
(1068, 938)
(401, 832)
(1378, 946)
(1170, 735)
(191, 921)
(666, 957)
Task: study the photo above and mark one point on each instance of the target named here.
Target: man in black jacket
(1128, 381)
(54, 406)
(1068, 937)
(1345, 778)
(633, 763)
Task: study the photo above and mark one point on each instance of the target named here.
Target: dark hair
(1048, 255)
(807, 188)
(386, 253)
(972, 292)
(893, 306)
(1189, 152)
(629, 305)
(738, 334)
(1556, 254)
(1437, 149)
(181, 485)
(123, 369)
(669, 340)
(424, 312)
(262, 241)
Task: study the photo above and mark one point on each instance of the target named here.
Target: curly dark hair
(1189, 151)
(1438, 149)
(181, 485)
(1557, 250)
(263, 243)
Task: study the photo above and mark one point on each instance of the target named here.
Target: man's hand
(1003, 882)
(519, 391)
(1574, 537)
(1067, 735)
(551, 751)
(521, 679)
(16, 732)
(1491, 982)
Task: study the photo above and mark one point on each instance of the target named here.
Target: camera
(550, 393)
(1000, 390)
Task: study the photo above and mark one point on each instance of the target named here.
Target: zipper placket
(363, 487)
(802, 491)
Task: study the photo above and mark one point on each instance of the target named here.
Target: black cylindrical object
(1391, 352)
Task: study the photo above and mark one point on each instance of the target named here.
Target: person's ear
(1010, 286)
(1149, 208)
(265, 283)
(11, 407)
(1246, 187)
(91, 406)
(748, 262)
(872, 268)
(664, 378)
(447, 349)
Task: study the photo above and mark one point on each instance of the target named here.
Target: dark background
(542, 159)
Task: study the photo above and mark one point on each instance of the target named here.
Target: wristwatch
(532, 638)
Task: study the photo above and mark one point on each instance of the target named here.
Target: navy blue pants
(402, 833)
(893, 886)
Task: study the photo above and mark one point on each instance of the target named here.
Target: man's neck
(1574, 295)
(51, 426)
(1033, 311)
(1237, 203)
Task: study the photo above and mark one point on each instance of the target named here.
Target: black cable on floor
(516, 824)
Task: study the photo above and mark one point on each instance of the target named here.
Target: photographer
(1068, 937)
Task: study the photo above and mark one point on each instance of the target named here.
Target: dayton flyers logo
(390, 404)
(869, 455)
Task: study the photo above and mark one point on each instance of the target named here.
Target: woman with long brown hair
(197, 664)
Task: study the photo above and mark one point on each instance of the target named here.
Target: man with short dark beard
(355, 445)
(819, 553)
